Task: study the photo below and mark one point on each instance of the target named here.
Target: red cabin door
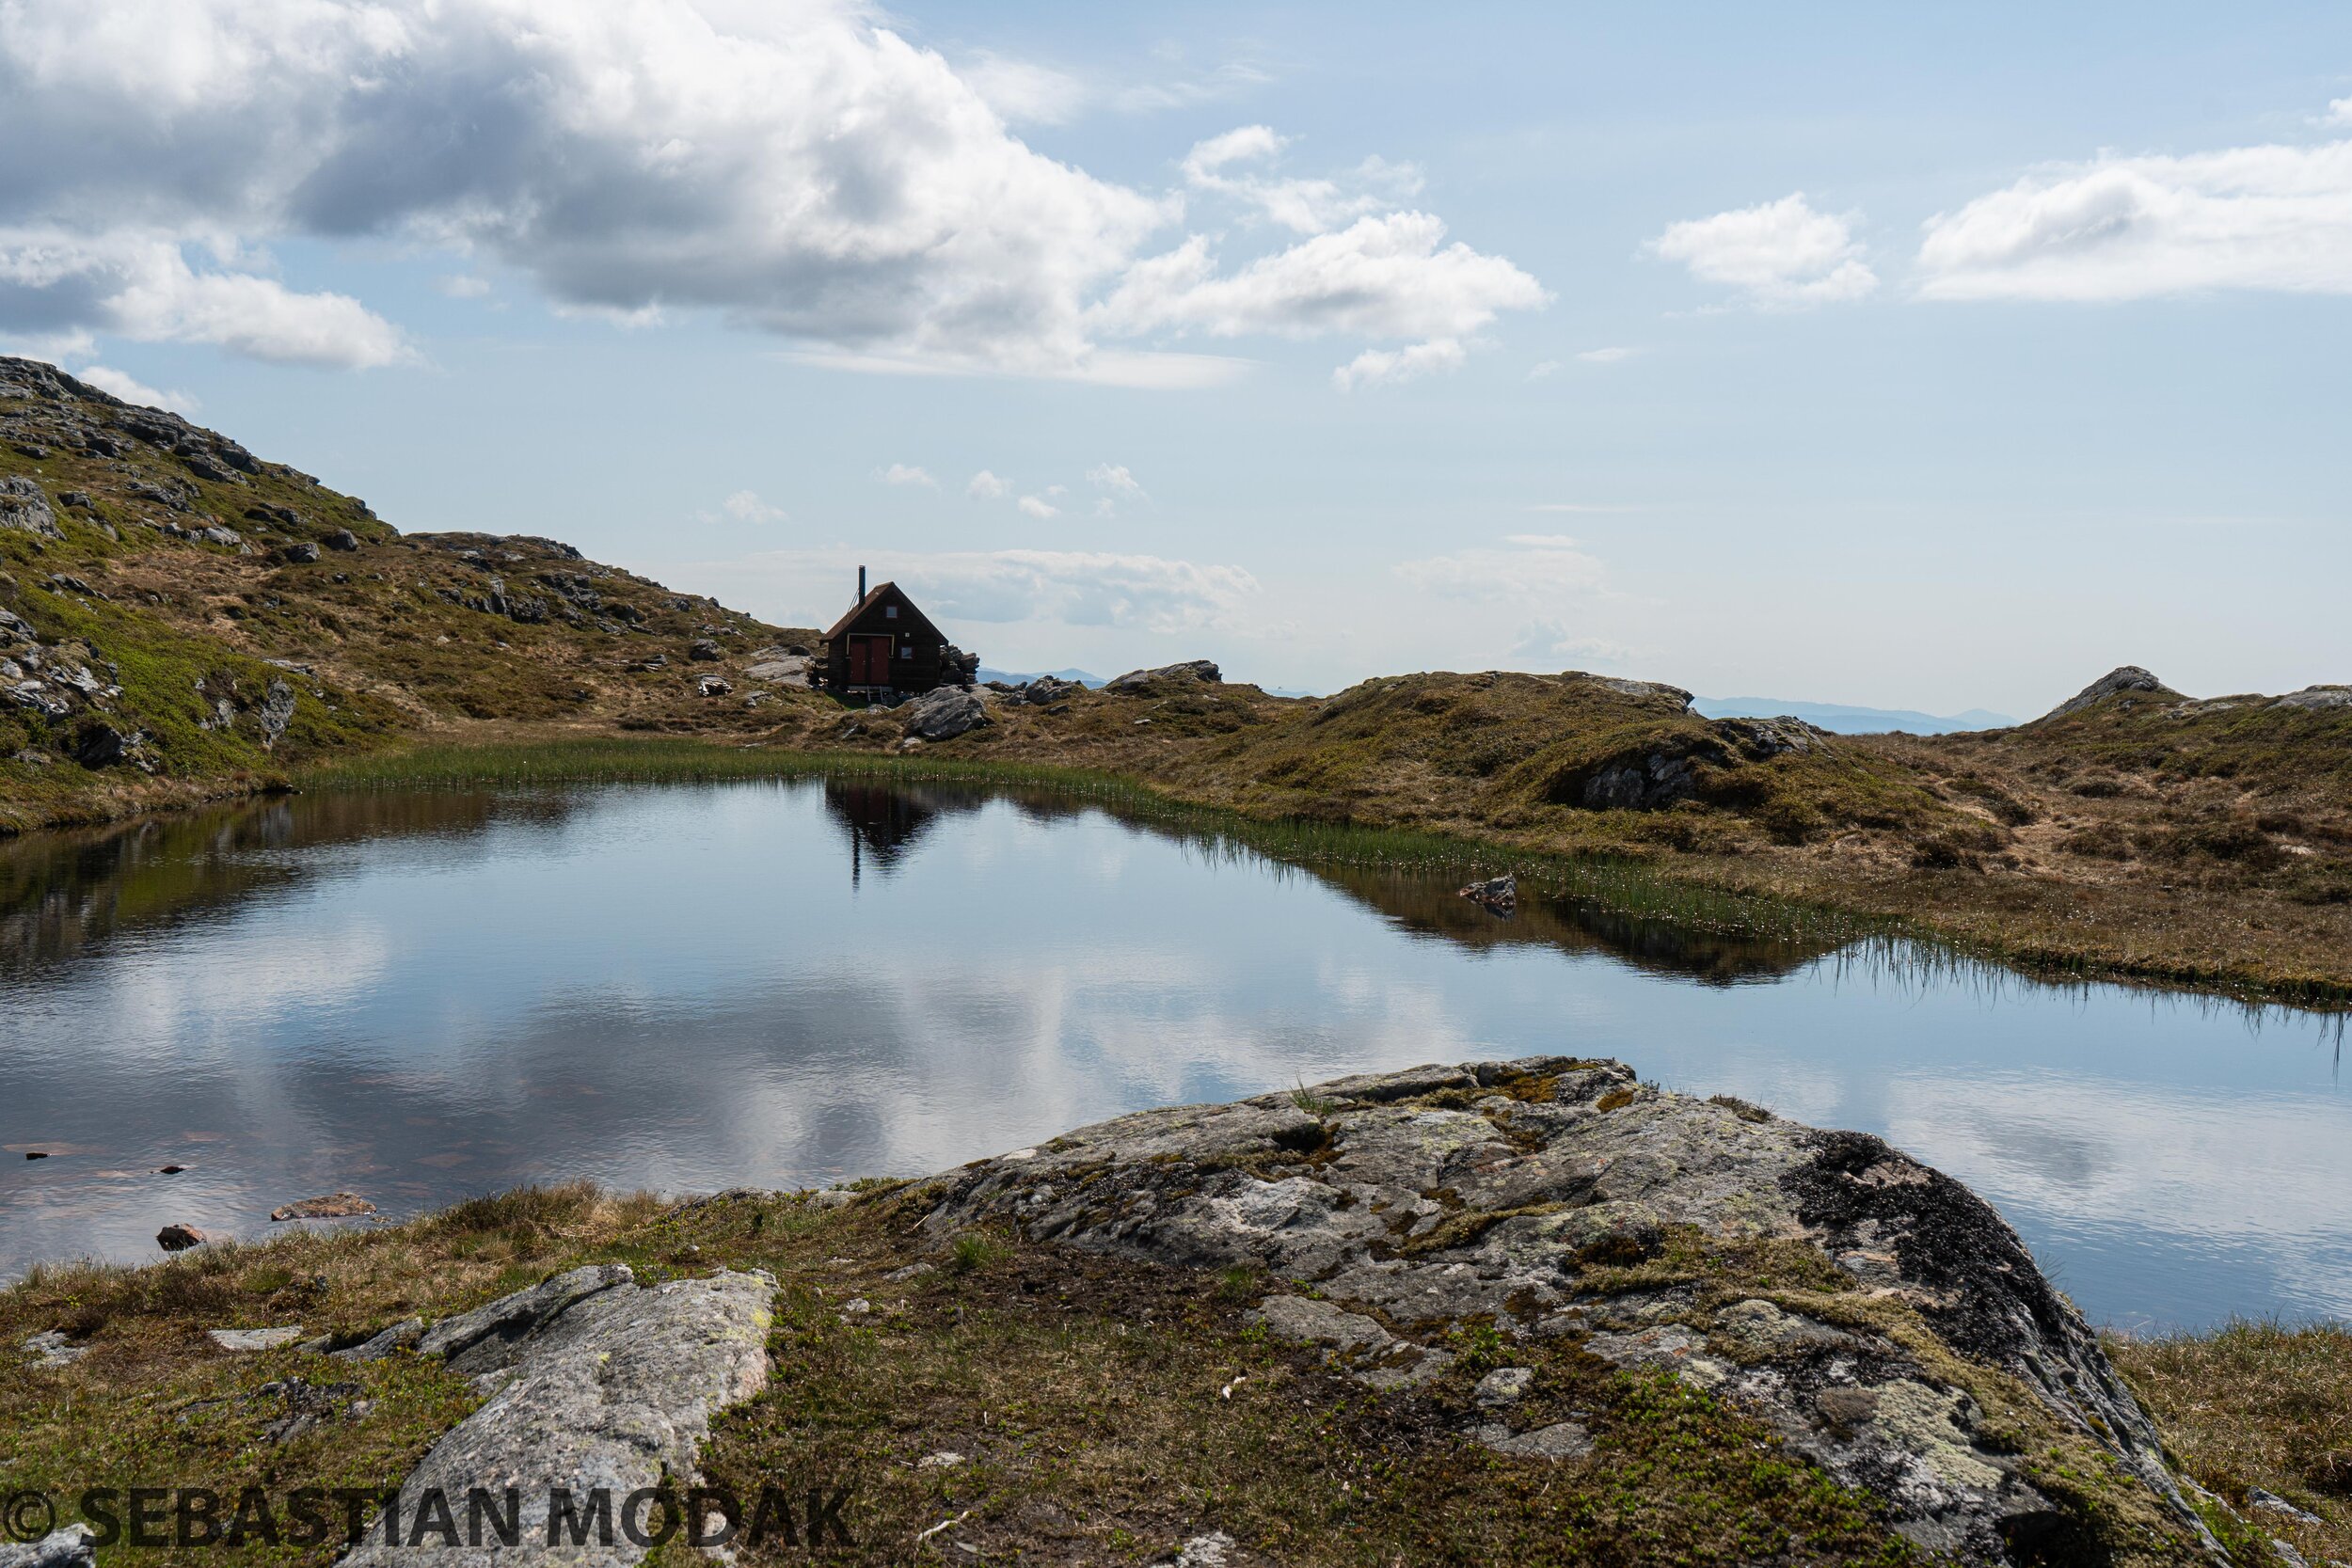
(869, 660)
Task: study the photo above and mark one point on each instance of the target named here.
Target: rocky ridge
(1882, 1319)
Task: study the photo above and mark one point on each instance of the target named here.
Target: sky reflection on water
(419, 997)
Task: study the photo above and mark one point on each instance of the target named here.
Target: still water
(416, 997)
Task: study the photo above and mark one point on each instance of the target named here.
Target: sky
(1933, 357)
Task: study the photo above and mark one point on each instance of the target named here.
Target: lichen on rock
(1884, 1322)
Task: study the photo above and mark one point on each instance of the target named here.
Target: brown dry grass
(2259, 1405)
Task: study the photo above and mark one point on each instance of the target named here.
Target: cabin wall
(920, 673)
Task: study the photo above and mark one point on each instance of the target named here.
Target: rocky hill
(178, 617)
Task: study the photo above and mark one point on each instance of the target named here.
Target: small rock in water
(169, 1170)
(1498, 894)
(178, 1238)
(334, 1206)
(247, 1340)
(37, 1154)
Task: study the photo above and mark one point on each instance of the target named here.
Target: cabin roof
(872, 598)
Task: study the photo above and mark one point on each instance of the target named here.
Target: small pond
(422, 996)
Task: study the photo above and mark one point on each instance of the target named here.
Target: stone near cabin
(24, 509)
(791, 669)
(944, 712)
(334, 1206)
(1190, 670)
(1044, 689)
(178, 1238)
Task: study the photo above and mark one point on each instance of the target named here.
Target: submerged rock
(1498, 894)
(334, 1206)
(1923, 1360)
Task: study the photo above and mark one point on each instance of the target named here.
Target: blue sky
(1924, 359)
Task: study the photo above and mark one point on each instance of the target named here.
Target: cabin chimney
(861, 585)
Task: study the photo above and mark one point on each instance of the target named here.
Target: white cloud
(1309, 206)
(139, 285)
(1081, 588)
(986, 486)
(1533, 569)
(1376, 365)
(131, 390)
(1543, 369)
(1227, 80)
(1548, 642)
(745, 506)
(1782, 253)
(795, 168)
(1378, 277)
(1115, 478)
(1605, 355)
(460, 285)
(2269, 217)
(1038, 507)
(2340, 112)
(1105, 508)
(1024, 93)
(906, 473)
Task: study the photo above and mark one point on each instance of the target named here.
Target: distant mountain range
(1842, 720)
(1020, 678)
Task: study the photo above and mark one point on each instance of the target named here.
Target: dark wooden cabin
(886, 646)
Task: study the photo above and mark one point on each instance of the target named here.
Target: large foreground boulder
(1880, 1317)
(599, 1385)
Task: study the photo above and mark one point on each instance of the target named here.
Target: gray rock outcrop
(25, 509)
(75, 1547)
(2316, 698)
(1190, 670)
(944, 712)
(2128, 677)
(599, 1383)
(1527, 1196)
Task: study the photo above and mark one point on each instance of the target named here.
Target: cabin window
(890, 612)
(907, 652)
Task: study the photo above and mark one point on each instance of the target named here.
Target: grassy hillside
(180, 618)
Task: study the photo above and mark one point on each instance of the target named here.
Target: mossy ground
(1104, 1411)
